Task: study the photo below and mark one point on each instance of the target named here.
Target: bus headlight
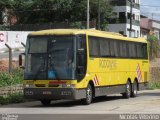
(69, 85)
(28, 85)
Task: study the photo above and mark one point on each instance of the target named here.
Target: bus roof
(90, 32)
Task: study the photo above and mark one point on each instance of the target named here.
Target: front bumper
(54, 93)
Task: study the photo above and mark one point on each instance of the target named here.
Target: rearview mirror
(21, 60)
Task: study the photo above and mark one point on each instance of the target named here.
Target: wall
(117, 27)
(134, 33)
(155, 74)
(13, 39)
(5, 91)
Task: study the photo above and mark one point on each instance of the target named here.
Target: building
(145, 26)
(121, 20)
(148, 27)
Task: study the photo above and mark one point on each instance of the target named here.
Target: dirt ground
(5, 63)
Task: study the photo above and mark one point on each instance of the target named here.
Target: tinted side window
(104, 47)
(123, 49)
(112, 48)
(116, 48)
(132, 50)
(139, 50)
(144, 51)
(94, 46)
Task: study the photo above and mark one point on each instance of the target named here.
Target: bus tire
(128, 91)
(46, 102)
(89, 95)
(135, 89)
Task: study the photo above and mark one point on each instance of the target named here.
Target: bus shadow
(60, 103)
(106, 98)
(79, 102)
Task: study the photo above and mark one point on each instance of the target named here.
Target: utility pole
(99, 15)
(88, 14)
(130, 32)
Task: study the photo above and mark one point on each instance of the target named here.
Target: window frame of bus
(110, 41)
(81, 56)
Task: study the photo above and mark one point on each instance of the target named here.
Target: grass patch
(8, 79)
(154, 85)
(12, 98)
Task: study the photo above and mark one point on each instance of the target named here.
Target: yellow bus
(83, 64)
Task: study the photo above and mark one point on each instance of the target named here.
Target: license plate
(46, 92)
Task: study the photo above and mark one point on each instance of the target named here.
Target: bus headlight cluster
(68, 85)
(28, 85)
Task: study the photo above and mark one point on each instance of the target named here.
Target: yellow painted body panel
(88, 32)
(103, 71)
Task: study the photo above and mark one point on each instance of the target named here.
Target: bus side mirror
(80, 62)
(21, 60)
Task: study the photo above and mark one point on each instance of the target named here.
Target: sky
(151, 8)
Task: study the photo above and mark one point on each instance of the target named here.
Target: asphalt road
(147, 102)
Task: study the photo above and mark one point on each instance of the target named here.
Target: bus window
(139, 50)
(81, 56)
(116, 48)
(123, 49)
(112, 48)
(144, 51)
(94, 48)
(104, 47)
(132, 50)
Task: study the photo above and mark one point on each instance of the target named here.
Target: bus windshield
(50, 57)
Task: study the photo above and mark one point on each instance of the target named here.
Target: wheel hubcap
(89, 94)
(128, 89)
(135, 88)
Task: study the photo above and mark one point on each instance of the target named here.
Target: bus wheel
(135, 89)
(46, 102)
(127, 94)
(89, 95)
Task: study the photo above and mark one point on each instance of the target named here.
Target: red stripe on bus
(57, 82)
(97, 79)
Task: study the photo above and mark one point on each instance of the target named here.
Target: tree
(3, 4)
(49, 11)
(153, 46)
(78, 12)
(37, 11)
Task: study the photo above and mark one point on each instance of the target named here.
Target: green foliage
(153, 46)
(4, 100)
(7, 79)
(16, 98)
(152, 38)
(79, 7)
(50, 11)
(41, 11)
(12, 98)
(4, 28)
(154, 85)
(77, 25)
